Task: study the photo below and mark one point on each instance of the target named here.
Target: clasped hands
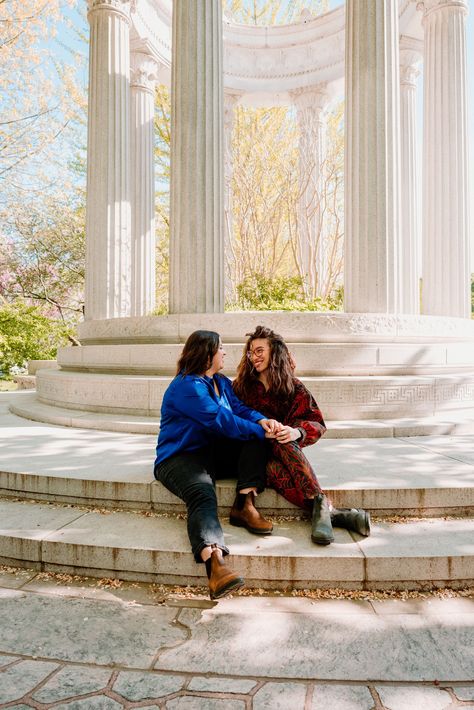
(282, 433)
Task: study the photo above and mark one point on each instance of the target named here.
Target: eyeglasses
(258, 352)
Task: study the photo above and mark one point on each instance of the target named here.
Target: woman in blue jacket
(208, 433)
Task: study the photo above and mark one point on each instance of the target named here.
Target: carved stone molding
(119, 7)
(408, 73)
(316, 98)
(429, 6)
(143, 71)
(411, 55)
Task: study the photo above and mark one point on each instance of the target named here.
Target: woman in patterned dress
(265, 381)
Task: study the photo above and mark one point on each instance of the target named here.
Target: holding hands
(287, 434)
(271, 427)
(283, 434)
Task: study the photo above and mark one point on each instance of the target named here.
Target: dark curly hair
(280, 370)
(198, 351)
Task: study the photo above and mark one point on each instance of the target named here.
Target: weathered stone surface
(280, 696)
(5, 660)
(72, 681)
(464, 693)
(98, 702)
(342, 697)
(409, 697)
(425, 648)
(15, 682)
(189, 702)
(16, 579)
(85, 630)
(146, 686)
(221, 685)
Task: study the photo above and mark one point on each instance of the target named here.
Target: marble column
(108, 224)
(310, 105)
(445, 269)
(230, 101)
(143, 72)
(197, 150)
(410, 56)
(372, 158)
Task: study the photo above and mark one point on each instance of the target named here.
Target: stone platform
(358, 366)
(85, 502)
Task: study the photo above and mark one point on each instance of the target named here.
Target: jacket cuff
(303, 434)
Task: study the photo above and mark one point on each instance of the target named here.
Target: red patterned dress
(288, 470)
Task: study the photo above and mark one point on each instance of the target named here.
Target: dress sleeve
(304, 414)
(196, 402)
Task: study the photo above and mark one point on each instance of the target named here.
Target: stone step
(421, 476)
(153, 496)
(145, 547)
(28, 406)
(313, 359)
(340, 397)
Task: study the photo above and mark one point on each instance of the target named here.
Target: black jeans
(191, 476)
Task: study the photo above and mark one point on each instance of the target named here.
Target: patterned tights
(290, 473)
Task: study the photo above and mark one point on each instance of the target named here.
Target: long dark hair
(198, 351)
(280, 369)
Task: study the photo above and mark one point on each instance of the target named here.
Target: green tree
(27, 334)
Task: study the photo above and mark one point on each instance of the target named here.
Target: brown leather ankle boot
(244, 514)
(222, 579)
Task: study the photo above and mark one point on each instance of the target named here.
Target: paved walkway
(81, 644)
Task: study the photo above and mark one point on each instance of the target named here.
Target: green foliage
(472, 295)
(27, 334)
(283, 293)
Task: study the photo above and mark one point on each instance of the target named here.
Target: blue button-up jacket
(192, 414)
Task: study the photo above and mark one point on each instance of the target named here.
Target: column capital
(312, 97)
(119, 7)
(143, 71)
(427, 7)
(231, 98)
(411, 54)
(408, 75)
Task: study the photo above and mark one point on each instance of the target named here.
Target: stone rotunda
(380, 360)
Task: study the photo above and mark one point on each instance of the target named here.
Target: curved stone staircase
(85, 502)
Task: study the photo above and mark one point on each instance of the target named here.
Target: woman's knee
(200, 495)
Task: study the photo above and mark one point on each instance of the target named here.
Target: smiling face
(259, 354)
(217, 362)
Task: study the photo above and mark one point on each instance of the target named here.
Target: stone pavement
(80, 643)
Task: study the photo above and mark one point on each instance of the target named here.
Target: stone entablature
(265, 63)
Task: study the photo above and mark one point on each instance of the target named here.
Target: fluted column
(142, 95)
(197, 200)
(372, 156)
(310, 106)
(108, 227)
(410, 56)
(446, 277)
(230, 101)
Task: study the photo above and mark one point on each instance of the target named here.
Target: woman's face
(217, 362)
(259, 354)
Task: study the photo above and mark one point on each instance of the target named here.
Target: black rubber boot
(356, 519)
(321, 528)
